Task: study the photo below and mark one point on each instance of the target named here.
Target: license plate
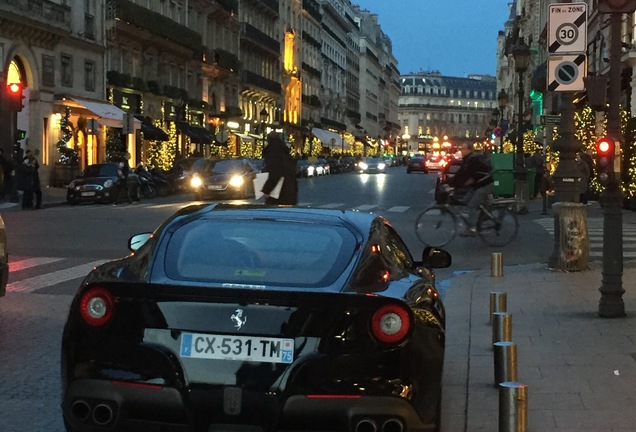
(243, 348)
(215, 187)
(87, 194)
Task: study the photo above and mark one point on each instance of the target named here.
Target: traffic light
(616, 6)
(605, 155)
(15, 96)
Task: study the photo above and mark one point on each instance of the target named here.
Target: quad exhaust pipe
(81, 410)
(101, 414)
(366, 425)
(393, 425)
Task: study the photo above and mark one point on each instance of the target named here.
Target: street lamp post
(502, 101)
(521, 54)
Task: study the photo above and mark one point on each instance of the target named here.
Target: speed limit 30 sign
(567, 28)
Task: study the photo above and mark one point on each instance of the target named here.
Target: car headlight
(196, 182)
(363, 166)
(237, 181)
(381, 166)
(310, 169)
(108, 183)
(72, 184)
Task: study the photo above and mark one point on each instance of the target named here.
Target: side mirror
(436, 258)
(138, 240)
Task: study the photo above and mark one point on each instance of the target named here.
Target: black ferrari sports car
(256, 318)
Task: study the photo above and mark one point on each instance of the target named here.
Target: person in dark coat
(279, 164)
(28, 172)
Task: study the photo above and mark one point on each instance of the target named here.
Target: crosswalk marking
(30, 263)
(332, 205)
(595, 236)
(398, 209)
(37, 282)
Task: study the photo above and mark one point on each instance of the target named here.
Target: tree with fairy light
(68, 156)
(115, 148)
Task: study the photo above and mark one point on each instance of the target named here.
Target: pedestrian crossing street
(595, 234)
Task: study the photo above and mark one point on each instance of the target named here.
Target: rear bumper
(97, 405)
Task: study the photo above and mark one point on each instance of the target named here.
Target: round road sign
(566, 72)
(567, 33)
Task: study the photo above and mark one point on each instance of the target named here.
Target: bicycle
(497, 223)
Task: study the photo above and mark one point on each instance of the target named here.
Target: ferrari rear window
(259, 252)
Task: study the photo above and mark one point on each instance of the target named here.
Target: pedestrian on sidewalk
(31, 158)
(5, 176)
(123, 169)
(26, 182)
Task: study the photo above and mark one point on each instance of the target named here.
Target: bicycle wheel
(500, 229)
(436, 226)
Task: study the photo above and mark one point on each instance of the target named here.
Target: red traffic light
(15, 96)
(603, 146)
(15, 88)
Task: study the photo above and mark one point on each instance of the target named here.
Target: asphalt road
(51, 250)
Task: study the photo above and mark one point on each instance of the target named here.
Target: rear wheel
(436, 226)
(500, 229)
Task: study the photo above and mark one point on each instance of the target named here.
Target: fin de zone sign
(567, 28)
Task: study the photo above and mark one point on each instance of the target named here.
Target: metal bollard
(496, 264)
(498, 303)
(502, 327)
(505, 362)
(513, 407)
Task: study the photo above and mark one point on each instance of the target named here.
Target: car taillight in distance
(96, 306)
(390, 323)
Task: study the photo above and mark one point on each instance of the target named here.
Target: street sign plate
(566, 73)
(567, 28)
(550, 119)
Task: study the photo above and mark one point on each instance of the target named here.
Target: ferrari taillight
(390, 323)
(96, 306)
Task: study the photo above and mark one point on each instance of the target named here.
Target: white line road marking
(399, 209)
(30, 263)
(331, 205)
(37, 282)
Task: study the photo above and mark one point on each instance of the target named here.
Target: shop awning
(328, 138)
(197, 134)
(244, 137)
(150, 131)
(107, 114)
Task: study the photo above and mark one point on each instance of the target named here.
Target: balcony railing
(230, 5)
(313, 9)
(221, 58)
(272, 4)
(157, 24)
(46, 11)
(259, 38)
(249, 77)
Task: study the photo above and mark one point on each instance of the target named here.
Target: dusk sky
(455, 37)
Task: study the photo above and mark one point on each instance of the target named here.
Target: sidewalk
(51, 196)
(580, 369)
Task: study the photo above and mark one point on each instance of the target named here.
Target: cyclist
(474, 175)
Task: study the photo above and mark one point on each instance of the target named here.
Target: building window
(67, 70)
(89, 75)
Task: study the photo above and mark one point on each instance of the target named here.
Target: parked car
(224, 178)
(350, 163)
(416, 164)
(304, 168)
(4, 259)
(326, 168)
(98, 183)
(181, 173)
(258, 318)
(371, 165)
